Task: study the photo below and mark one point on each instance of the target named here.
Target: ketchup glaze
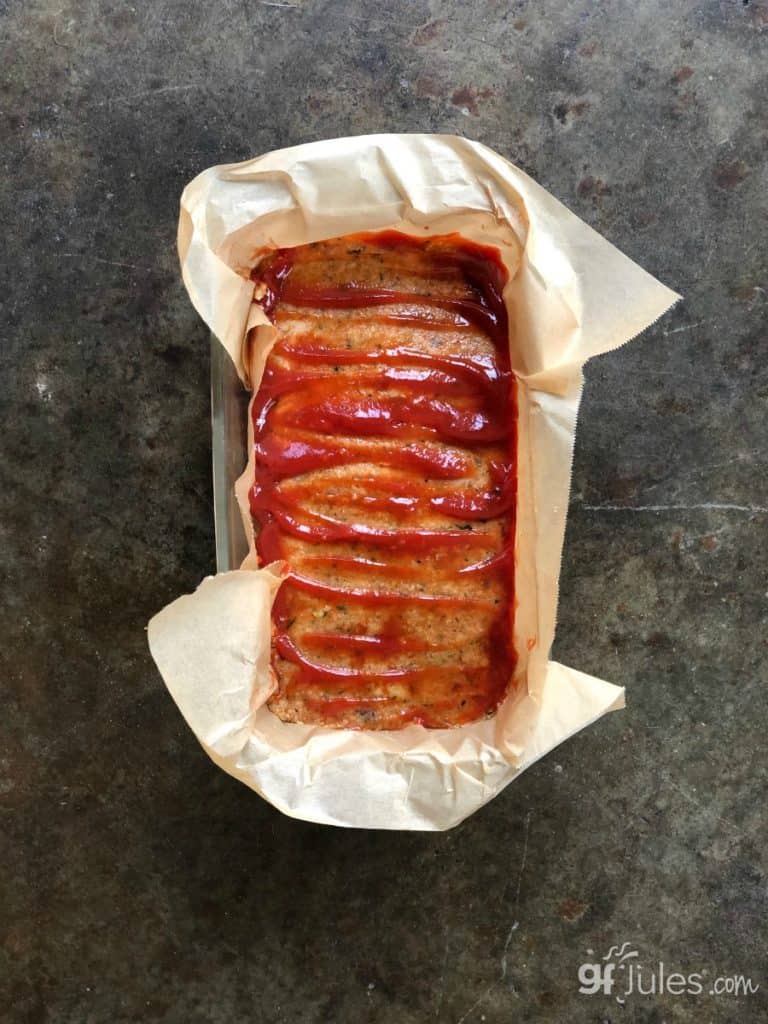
(424, 529)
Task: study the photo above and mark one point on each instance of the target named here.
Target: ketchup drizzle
(403, 408)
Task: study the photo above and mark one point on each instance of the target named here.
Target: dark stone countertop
(141, 883)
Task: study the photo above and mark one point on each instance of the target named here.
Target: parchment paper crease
(572, 295)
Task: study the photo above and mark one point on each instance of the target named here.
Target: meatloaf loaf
(384, 433)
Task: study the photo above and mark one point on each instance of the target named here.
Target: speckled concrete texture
(141, 884)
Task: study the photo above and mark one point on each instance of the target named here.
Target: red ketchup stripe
(315, 528)
(376, 374)
(294, 455)
(359, 595)
(353, 297)
(377, 643)
(349, 676)
(409, 572)
(480, 372)
(477, 505)
(391, 415)
(423, 318)
(432, 716)
(420, 415)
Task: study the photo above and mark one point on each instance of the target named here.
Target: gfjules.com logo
(621, 974)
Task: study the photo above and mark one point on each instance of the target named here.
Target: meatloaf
(384, 432)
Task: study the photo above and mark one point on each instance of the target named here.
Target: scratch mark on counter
(502, 975)
(503, 963)
(475, 1005)
(706, 506)
(441, 985)
(57, 41)
(513, 928)
(522, 869)
(110, 263)
(687, 327)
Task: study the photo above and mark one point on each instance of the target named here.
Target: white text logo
(620, 973)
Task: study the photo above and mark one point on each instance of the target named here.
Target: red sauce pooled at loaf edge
(392, 433)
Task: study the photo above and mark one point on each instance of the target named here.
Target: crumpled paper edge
(309, 778)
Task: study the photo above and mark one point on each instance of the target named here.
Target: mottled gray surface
(142, 884)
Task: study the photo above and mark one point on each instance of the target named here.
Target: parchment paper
(571, 296)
